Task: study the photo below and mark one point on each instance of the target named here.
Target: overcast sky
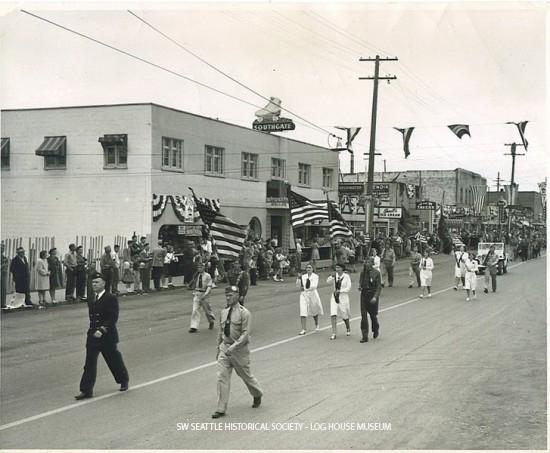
(458, 63)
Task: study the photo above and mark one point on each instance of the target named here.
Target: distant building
(97, 170)
(528, 206)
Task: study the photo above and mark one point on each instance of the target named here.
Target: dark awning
(5, 146)
(52, 146)
(113, 139)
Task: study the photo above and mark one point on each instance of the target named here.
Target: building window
(327, 177)
(115, 150)
(172, 153)
(54, 152)
(304, 174)
(278, 168)
(461, 196)
(213, 160)
(249, 168)
(5, 153)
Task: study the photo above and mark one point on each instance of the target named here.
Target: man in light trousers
(202, 285)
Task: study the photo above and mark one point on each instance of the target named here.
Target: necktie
(200, 281)
(308, 284)
(424, 264)
(96, 297)
(227, 327)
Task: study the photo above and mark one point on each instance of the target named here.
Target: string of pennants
(460, 130)
(183, 206)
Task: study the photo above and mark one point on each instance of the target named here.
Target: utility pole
(369, 211)
(512, 183)
(498, 181)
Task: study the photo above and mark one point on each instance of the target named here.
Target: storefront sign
(390, 212)
(284, 124)
(425, 205)
(277, 202)
(351, 188)
(190, 230)
(381, 191)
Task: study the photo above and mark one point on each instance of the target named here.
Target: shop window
(54, 152)
(5, 153)
(304, 174)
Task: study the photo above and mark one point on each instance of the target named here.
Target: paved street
(445, 373)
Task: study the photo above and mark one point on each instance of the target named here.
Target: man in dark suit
(19, 267)
(102, 337)
(370, 285)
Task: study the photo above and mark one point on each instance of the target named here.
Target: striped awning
(113, 139)
(52, 146)
(5, 146)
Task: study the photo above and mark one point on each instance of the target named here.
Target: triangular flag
(460, 130)
(407, 132)
(521, 128)
(351, 133)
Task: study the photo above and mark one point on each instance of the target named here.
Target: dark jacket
(103, 316)
(370, 282)
(21, 274)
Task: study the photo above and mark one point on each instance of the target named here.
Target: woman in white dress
(471, 265)
(426, 267)
(310, 302)
(460, 270)
(339, 301)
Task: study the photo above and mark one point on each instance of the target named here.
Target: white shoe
(332, 337)
(317, 328)
(467, 299)
(429, 294)
(281, 280)
(348, 333)
(421, 296)
(302, 332)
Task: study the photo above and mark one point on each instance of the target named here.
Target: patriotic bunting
(159, 205)
(228, 237)
(338, 227)
(351, 133)
(460, 130)
(303, 210)
(521, 128)
(406, 138)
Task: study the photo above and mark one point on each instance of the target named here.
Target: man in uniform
(233, 352)
(370, 286)
(202, 285)
(102, 337)
(239, 278)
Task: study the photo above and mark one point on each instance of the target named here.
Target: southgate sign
(284, 124)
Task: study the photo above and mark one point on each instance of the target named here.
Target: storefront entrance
(277, 229)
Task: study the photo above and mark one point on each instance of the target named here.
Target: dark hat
(98, 275)
(231, 290)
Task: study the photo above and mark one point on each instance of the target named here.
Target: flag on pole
(228, 237)
(303, 210)
(521, 128)
(460, 130)
(478, 197)
(407, 132)
(338, 227)
(351, 133)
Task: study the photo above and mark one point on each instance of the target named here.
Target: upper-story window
(213, 160)
(304, 174)
(54, 151)
(5, 153)
(461, 196)
(278, 168)
(249, 168)
(327, 177)
(172, 153)
(115, 150)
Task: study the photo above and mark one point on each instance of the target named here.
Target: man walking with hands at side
(370, 286)
(233, 352)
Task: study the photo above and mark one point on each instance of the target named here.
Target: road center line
(201, 367)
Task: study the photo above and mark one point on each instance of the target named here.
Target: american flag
(478, 196)
(338, 227)
(303, 210)
(421, 238)
(228, 237)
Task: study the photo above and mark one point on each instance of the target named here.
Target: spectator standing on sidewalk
(106, 263)
(70, 276)
(170, 260)
(145, 260)
(56, 274)
(19, 267)
(80, 274)
(116, 268)
(42, 283)
(4, 282)
(158, 255)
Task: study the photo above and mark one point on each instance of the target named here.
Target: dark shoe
(211, 325)
(192, 330)
(83, 396)
(375, 335)
(218, 414)
(485, 290)
(410, 286)
(257, 401)
(364, 340)
(124, 386)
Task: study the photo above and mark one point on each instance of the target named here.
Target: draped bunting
(182, 205)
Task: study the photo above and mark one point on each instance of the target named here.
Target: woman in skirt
(470, 279)
(339, 301)
(426, 267)
(310, 302)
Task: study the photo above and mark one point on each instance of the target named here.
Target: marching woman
(339, 301)
(460, 269)
(426, 267)
(310, 303)
(471, 265)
